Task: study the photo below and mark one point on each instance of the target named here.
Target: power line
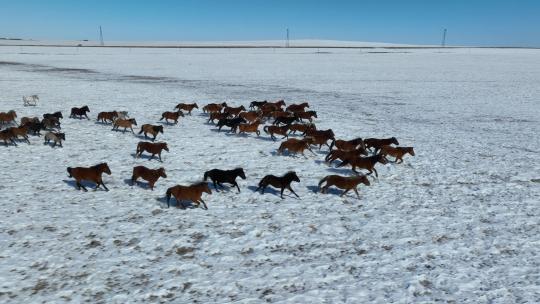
(443, 43)
(101, 36)
(287, 41)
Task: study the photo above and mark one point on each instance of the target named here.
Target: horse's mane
(199, 184)
(290, 173)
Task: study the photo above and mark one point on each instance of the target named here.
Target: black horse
(286, 120)
(257, 104)
(233, 123)
(283, 182)
(224, 176)
(55, 114)
(80, 112)
(35, 127)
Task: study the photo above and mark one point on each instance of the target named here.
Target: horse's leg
(82, 186)
(356, 191)
(282, 189)
(376, 174)
(289, 187)
(204, 204)
(132, 129)
(133, 179)
(152, 156)
(159, 155)
(215, 185)
(344, 192)
(103, 184)
(237, 187)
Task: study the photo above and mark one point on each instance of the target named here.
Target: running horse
(149, 175)
(187, 107)
(224, 176)
(152, 148)
(282, 182)
(191, 193)
(8, 118)
(347, 183)
(172, 116)
(92, 174)
(80, 112)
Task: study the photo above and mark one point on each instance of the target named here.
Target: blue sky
(473, 22)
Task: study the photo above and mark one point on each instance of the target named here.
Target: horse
(293, 128)
(377, 143)
(152, 148)
(90, 174)
(31, 100)
(344, 154)
(191, 193)
(297, 107)
(276, 114)
(80, 112)
(216, 116)
(318, 139)
(187, 107)
(149, 175)
(283, 182)
(286, 120)
(124, 123)
(35, 127)
(314, 132)
(57, 114)
(7, 135)
(232, 123)
(56, 137)
(284, 130)
(295, 146)
(309, 115)
(25, 120)
(343, 182)
(250, 116)
(123, 114)
(250, 128)
(154, 130)
(257, 104)
(51, 123)
(397, 152)
(21, 131)
(224, 176)
(348, 145)
(214, 107)
(367, 163)
(8, 118)
(104, 117)
(231, 111)
(172, 116)
(279, 103)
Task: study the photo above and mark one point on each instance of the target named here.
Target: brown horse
(55, 137)
(397, 152)
(154, 130)
(214, 107)
(172, 116)
(367, 163)
(344, 154)
(80, 112)
(187, 107)
(7, 118)
(284, 130)
(271, 107)
(283, 182)
(152, 148)
(124, 123)
(7, 135)
(279, 103)
(294, 146)
(250, 128)
(21, 131)
(250, 116)
(309, 115)
(348, 145)
(51, 123)
(217, 116)
(191, 193)
(25, 120)
(297, 107)
(343, 182)
(293, 128)
(377, 143)
(90, 174)
(314, 132)
(257, 104)
(318, 139)
(105, 117)
(149, 175)
(231, 111)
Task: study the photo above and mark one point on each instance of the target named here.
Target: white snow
(459, 222)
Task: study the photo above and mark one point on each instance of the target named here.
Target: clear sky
(472, 22)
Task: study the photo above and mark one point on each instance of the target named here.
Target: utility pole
(443, 43)
(101, 36)
(287, 41)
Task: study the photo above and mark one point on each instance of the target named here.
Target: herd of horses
(277, 119)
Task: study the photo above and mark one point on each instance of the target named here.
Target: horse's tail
(343, 163)
(138, 148)
(332, 144)
(142, 129)
(265, 129)
(262, 182)
(168, 196)
(69, 171)
(205, 175)
(322, 181)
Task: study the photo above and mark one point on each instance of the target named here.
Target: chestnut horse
(172, 116)
(217, 116)
(149, 175)
(154, 130)
(343, 182)
(152, 148)
(348, 145)
(7, 135)
(25, 120)
(187, 107)
(214, 107)
(191, 193)
(367, 163)
(21, 131)
(377, 143)
(282, 182)
(231, 111)
(92, 174)
(224, 176)
(80, 112)
(124, 123)
(294, 146)
(7, 118)
(344, 154)
(104, 117)
(250, 128)
(293, 128)
(250, 116)
(279, 103)
(284, 130)
(309, 115)
(397, 152)
(297, 107)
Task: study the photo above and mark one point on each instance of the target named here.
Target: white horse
(31, 100)
(123, 114)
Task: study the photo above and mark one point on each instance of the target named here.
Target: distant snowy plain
(457, 223)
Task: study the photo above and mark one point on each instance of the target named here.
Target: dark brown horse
(348, 145)
(257, 104)
(51, 123)
(35, 127)
(343, 182)
(344, 154)
(297, 107)
(231, 111)
(149, 175)
(309, 115)
(284, 130)
(187, 107)
(377, 143)
(152, 148)
(24, 120)
(106, 117)
(80, 112)
(92, 174)
(367, 163)
(397, 152)
(282, 182)
(21, 131)
(171, 116)
(57, 114)
(7, 118)
(232, 123)
(286, 120)
(224, 176)
(217, 116)
(7, 135)
(293, 128)
(294, 146)
(191, 193)
(152, 129)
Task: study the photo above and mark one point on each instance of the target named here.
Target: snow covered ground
(458, 223)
